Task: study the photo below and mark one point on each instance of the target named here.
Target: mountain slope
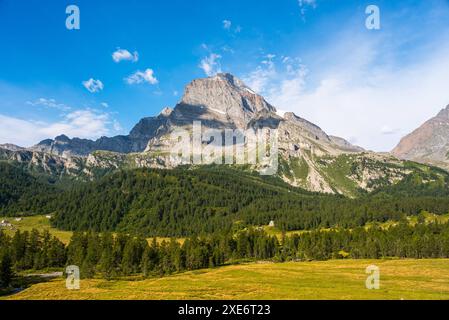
(22, 193)
(429, 143)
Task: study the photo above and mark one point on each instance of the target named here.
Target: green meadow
(40, 223)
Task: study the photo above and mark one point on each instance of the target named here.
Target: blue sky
(313, 57)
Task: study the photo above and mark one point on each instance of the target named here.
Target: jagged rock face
(11, 147)
(66, 147)
(42, 162)
(136, 141)
(429, 143)
(225, 98)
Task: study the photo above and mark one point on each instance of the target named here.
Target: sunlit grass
(40, 223)
(337, 279)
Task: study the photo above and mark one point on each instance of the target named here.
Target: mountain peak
(62, 138)
(225, 96)
(231, 79)
(166, 112)
(444, 113)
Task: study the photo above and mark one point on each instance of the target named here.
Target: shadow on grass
(22, 282)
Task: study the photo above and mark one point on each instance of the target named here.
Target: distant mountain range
(308, 157)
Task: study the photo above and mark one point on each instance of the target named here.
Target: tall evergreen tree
(6, 272)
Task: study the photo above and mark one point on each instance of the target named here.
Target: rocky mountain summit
(308, 156)
(222, 102)
(429, 143)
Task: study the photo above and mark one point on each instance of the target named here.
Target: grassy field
(40, 223)
(338, 279)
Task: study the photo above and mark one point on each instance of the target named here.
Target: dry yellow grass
(337, 279)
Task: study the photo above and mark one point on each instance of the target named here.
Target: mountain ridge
(221, 101)
(308, 157)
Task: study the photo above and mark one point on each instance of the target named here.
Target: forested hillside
(23, 193)
(176, 202)
(191, 201)
(205, 200)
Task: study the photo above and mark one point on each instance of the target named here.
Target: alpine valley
(130, 183)
(97, 204)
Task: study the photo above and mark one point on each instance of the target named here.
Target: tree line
(29, 251)
(111, 256)
(182, 203)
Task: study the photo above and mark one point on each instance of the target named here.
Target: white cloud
(259, 79)
(49, 103)
(81, 124)
(211, 64)
(269, 77)
(116, 125)
(89, 124)
(348, 92)
(93, 86)
(388, 130)
(125, 55)
(142, 76)
(105, 104)
(227, 24)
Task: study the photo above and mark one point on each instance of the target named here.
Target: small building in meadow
(5, 224)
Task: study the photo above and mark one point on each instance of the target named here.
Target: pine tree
(90, 262)
(106, 264)
(150, 258)
(56, 254)
(32, 253)
(6, 272)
